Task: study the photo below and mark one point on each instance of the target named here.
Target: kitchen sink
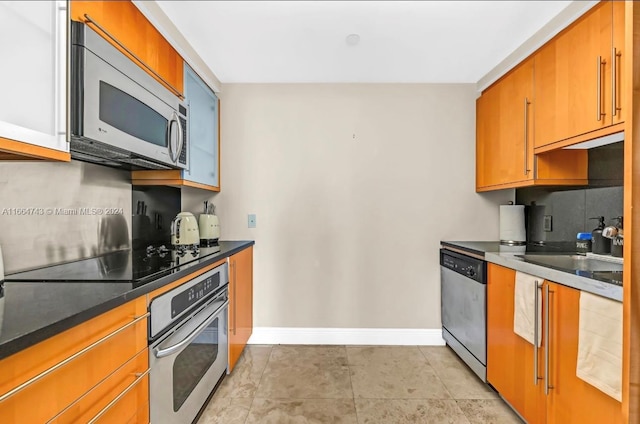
(572, 263)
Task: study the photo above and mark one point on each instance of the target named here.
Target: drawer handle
(69, 359)
(147, 67)
(120, 396)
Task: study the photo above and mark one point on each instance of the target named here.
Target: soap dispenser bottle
(617, 243)
(600, 244)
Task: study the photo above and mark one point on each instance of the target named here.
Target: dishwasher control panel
(465, 265)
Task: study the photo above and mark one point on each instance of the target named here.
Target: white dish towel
(524, 306)
(600, 344)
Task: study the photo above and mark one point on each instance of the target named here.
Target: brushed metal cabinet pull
(547, 345)
(526, 134)
(536, 331)
(599, 89)
(615, 55)
(235, 298)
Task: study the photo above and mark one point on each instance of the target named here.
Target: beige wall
(35, 240)
(353, 185)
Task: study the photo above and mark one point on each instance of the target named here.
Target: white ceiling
(400, 41)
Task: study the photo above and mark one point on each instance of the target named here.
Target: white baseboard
(347, 336)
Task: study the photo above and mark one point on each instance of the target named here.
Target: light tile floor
(354, 385)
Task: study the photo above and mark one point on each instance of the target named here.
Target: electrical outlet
(252, 220)
(548, 223)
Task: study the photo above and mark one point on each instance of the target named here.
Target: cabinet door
(516, 129)
(510, 359)
(572, 400)
(129, 26)
(240, 303)
(203, 131)
(488, 138)
(572, 74)
(618, 88)
(33, 77)
(504, 130)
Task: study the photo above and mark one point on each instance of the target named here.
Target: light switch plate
(548, 223)
(251, 220)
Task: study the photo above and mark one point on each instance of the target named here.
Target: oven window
(193, 362)
(130, 115)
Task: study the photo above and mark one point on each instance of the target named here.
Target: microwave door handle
(180, 137)
(160, 353)
(173, 153)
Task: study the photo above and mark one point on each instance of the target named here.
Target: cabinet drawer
(98, 398)
(132, 408)
(52, 375)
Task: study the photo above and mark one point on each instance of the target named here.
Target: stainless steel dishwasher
(464, 308)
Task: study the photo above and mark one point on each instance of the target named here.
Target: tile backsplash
(570, 210)
(153, 224)
(59, 212)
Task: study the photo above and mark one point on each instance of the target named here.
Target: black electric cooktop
(134, 266)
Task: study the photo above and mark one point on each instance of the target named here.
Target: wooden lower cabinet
(510, 359)
(240, 303)
(572, 400)
(69, 388)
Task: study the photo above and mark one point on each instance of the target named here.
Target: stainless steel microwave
(120, 115)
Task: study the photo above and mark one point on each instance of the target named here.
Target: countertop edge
(24, 341)
(600, 288)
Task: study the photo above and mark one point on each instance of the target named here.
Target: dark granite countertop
(32, 311)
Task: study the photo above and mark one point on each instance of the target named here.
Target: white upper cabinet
(33, 37)
(203, 131)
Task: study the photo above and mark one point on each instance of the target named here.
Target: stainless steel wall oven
(188, 346)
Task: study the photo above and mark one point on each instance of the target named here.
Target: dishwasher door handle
(160, 353)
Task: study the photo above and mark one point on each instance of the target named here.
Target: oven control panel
(170, 307)
(464, 265)
(183, 301)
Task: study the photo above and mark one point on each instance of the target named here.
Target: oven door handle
(160, 353)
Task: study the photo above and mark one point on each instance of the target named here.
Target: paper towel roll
(512, 229)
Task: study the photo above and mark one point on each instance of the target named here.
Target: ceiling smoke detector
(352, 39)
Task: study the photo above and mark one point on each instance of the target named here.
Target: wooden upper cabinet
(573, 78)
(505, 139)
(488, 138)
(516, 129)
(504, 130)
(618, 83)
(124, 22)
